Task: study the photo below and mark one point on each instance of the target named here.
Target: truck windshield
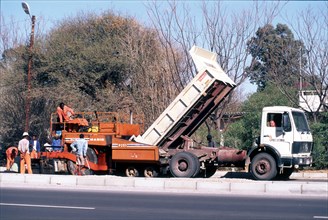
(300, 121)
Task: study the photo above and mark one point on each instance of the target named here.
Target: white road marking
(46, 206)
(321, 217)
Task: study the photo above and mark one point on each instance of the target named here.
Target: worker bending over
(11, 154)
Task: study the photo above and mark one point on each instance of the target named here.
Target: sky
(52, 12)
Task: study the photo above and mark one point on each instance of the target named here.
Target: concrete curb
(296, 175)
(212, 185)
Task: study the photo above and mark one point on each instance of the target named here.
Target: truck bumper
(296, 162)
(302, 161)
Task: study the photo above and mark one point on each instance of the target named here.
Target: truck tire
(263, 167)
(91, 156)
(184, 164)
(197, 166)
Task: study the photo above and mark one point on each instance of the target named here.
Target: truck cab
(285, 143)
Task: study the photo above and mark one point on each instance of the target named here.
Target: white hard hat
(47, 145)
(25, 134)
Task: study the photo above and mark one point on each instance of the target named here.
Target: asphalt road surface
(27, 203)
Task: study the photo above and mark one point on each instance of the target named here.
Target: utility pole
(29, 67)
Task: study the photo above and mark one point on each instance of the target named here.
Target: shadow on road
(237, 175)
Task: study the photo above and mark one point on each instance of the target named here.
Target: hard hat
(25, 134)
(47, 145)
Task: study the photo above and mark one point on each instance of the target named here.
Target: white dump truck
(285, 144)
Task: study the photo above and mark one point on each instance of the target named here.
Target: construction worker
(23, 147)
(210, 141)
(80, 146)
(35, 147)
(56, 143)
(11, 154)
(64, 113)
(47, 147)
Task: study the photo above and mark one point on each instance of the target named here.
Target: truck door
(273, 134)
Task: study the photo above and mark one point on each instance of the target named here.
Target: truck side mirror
(258, 141)
(286, 126)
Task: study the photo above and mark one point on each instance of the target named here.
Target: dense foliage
(320, 134)
(276, 57)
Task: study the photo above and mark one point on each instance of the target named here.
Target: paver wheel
(263, 167)
(183, 164)
(91, 156)
(150, 172)
(131, 172)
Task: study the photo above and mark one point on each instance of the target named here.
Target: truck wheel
(131, 172)
(183, 164)
(197, 166)
(150, 172)
(263, 167)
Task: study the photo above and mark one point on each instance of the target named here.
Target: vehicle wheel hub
(263, 167)
(183, 166)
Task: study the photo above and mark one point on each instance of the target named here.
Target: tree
(92, 63)
(312, 28)
(275, 58)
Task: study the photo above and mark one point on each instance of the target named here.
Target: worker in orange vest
(11, 154)
(64, 112)
(23, 147)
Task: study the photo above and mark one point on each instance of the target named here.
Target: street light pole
(29, 66)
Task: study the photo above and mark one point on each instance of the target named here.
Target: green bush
(320, 149)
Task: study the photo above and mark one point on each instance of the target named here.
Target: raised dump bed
(193, 105)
